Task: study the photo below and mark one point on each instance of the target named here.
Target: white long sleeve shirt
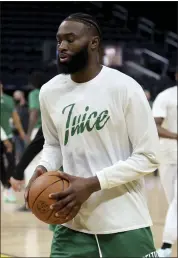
(103, 127)
(165, 106)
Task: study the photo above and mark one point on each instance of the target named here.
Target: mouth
(64, 58)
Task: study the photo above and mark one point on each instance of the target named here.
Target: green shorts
(72, 244)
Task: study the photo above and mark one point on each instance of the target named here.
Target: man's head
(18, 96)
(78, 42)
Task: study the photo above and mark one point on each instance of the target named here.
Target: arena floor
(22, 235)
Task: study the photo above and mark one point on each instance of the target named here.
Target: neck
(22, 102)
(88, 73)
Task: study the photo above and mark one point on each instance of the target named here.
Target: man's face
(18, 95)
(73, 47)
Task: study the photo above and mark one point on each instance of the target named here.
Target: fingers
(62, 203)
(63, 194)
(66, 210)
(39, 171)
(72, 213)
(26, 197)
(64, 176)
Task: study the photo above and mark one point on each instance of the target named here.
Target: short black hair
(87, 19)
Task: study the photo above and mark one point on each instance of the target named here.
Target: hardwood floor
(22, 235)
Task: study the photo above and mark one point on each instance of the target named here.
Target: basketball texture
(38, 197)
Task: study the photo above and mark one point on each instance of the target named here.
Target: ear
(95, 43)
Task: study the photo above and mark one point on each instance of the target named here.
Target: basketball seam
(52, 210)
(42, 192)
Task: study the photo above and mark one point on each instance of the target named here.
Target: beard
(77, 62)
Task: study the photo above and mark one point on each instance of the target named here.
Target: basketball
(38, 198)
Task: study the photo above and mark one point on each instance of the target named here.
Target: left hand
(16, 184)
(79, 190)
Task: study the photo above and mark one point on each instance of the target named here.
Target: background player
(165, 113)
(9, 113)
(37, 80)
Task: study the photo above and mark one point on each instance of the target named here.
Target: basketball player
(165, 113)
(97, 123)
(37, 80)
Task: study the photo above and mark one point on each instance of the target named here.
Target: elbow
(153, 161)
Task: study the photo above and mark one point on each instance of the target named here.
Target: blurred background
(139, 38)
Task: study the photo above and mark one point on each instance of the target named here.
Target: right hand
(38, 172)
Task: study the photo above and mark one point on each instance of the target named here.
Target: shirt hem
(109, 231)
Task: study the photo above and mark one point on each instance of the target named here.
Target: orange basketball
(38, 198)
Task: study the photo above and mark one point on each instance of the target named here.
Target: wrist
(174, 136)
(93, 184)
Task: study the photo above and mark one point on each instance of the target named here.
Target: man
(8, 112)
(165, 113)
(8, 145)
(98, 124)
(22, 110)
(37, 80)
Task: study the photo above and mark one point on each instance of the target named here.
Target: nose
(63, 46)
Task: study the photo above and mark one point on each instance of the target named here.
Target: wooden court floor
(22, 235)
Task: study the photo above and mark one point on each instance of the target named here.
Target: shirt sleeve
(159, 108)
(143, 136)
(51, 157)
(3, 135)
(33, 101)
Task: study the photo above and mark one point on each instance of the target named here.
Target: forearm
(32, 121)
(124, 172)
(164, 133)
(17, 123)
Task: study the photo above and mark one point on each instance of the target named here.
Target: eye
(70, 40)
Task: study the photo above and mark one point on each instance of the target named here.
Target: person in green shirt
(8, 113)
(37, 80)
